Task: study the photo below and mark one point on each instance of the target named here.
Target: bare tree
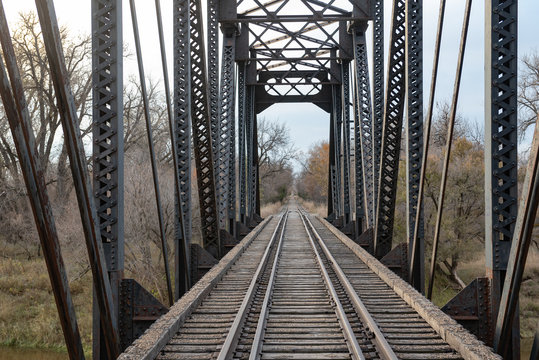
(528, 94)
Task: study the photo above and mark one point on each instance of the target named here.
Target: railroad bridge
(293, 285)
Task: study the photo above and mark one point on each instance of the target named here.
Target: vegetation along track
(299, 293)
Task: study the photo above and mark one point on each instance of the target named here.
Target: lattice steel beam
(213, 93)
(227, 149)
(202, 139)
(358, 161)
(414, 127)
(500, 138)
(391, 134)
(108, 144)
(242, 122)
(182, 134)
(378, 89)
(346, 139)
(366, 124)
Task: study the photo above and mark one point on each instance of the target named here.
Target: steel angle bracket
(138, 310)
(471, 309)
(397, 260)
(366, 240)
(201, 262)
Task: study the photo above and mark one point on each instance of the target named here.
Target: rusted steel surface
(17, 114)
(79, 169)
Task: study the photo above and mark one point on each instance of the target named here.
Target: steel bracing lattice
(414, 121)
(501, 139)
(182, 130)
(366, 125)
(202, 137)
(256, 54)
(392, 130)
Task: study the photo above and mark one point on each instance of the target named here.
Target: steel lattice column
(333, 206)
(366, 124)
(346, 139)
(202, 140)
(391, 134)
(213, 89)
(227, 148)
(182, 134)
(227, 151)
(242, 122)
(108, 146)
(378, 89)
(358, 162)
(251, 171)
(500, 139)
(414, 125)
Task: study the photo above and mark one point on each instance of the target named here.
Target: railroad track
(298, 292)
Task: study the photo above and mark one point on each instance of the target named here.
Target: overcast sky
(307, 123)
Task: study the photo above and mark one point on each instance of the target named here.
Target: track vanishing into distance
(297, 291)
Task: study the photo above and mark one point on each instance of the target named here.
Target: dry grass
(270, 209)
(314, 208)
(28, 315)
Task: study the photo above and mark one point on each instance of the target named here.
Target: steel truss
(391, 135)
(500, 140)
(182, 134)
(366, 125)
(202, 137)
(108, 144)
(346, 140)
(414, 125)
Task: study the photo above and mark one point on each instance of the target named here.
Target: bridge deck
(315, 295)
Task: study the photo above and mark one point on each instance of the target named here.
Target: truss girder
(501, 164)
(346, 138)
(414, 125)
(358, 161)
(227, 149)
(213, 88)
(108, 144)
(242, 122)
(182, 134)
(378, 89)
(391, 133)
(366, 125)
(202, 137)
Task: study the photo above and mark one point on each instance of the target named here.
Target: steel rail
(264, 312)
(452, 117)
(233, 334)
(352, 343)
(383, 347)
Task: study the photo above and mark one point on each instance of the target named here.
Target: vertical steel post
(378, 92)
(346, 139)
(358, 159)
(501, 92)
(365, 123)
(108, 144)
(212, 36)
(202, 137)
(182, 134)
(249, 137)
(227, 149)
(414, 132)
(391, 134)
(332, 171)
(242, 132)
(81, 178)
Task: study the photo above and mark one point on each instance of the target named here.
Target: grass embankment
(28, 315)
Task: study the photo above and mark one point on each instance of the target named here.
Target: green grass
(28, 315)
